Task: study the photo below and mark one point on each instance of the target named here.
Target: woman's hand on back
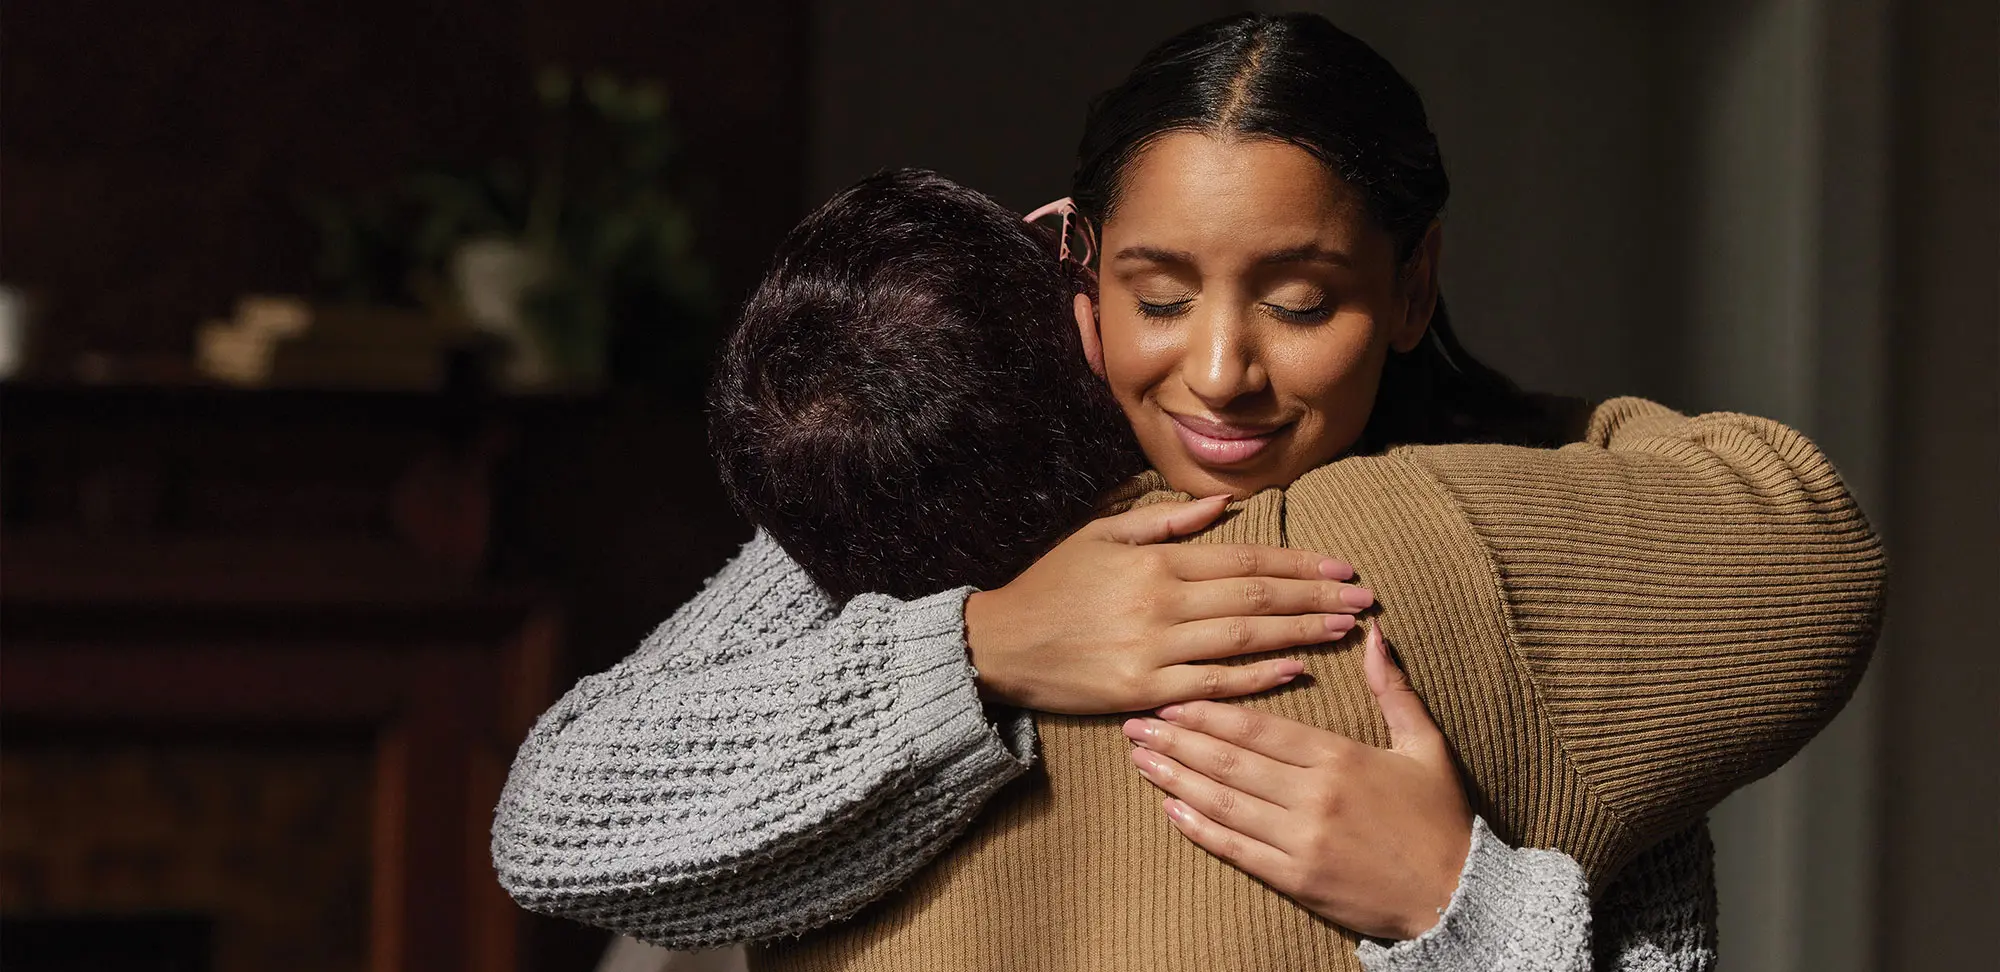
(1372, 839)
(1115, 619)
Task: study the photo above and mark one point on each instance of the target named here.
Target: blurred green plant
(625, 294)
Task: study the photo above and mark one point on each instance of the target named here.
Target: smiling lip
(1220, 443)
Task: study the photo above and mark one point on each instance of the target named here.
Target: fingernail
(1335, 570)
(1339, 624)
(1214, 497)
(1173, 712)
(1379, 644)
(1148, 763)
(1176, 810)
(1357, 597)
(1289, 668)
(1139, 731)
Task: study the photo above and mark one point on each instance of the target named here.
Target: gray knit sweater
(765, 764)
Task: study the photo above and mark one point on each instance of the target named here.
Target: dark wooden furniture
(399, 568)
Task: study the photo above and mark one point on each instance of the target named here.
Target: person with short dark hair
(871, 371)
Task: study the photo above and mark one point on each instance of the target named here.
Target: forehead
(1195, 192)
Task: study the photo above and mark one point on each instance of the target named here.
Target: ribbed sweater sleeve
(1524, 910)
(762, 764)
(1693, 598)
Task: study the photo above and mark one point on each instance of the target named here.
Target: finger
(1217, 763)
(1247, 854)
(1254, 596)
(1217, 561)
(1181, 683)
(1229, 637)
(1410, 725)
(1241, 812)
(1272, 736)
(1160, 522)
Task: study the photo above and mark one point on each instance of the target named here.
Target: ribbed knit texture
(705, 806)
(1613, 635)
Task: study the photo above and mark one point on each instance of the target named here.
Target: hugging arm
(766, 763)
(763, 764)
(1682, 602)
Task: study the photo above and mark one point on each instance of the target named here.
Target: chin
(1196, 480)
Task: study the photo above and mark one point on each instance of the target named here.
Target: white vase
(492, 277)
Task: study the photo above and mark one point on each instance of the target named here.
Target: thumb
(1411, 730)
(1162, 521)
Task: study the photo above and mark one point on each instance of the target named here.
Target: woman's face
(1247, 303)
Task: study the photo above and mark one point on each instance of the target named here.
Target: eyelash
(1310, 315)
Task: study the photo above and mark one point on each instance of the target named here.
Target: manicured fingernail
(1173, 712)
(1139, 731)
(1148, 763)
(1289, 668)
(1213, 498)
(1177, 810)
(1382, 644)
(1357, 597)
(1335, 570)
(1339, 624)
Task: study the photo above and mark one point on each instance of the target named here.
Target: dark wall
(152, 156)
(1940, 850)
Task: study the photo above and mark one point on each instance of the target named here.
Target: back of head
(905, 404)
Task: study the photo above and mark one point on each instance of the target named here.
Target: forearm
(753, 770)
(811, 877)
(1513, 910)
(1521, 910)
(1671, 577)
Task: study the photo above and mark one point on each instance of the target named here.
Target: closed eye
(1171, 308)
(1300, 315)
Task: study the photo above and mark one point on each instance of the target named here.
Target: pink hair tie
(1067, 207)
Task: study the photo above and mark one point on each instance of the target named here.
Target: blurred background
(353, 355)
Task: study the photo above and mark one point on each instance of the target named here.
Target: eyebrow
(1307, 253)
(1303, 253)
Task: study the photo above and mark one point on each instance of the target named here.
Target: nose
(1223, 363)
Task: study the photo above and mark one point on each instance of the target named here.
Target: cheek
(1325, 375)
(1137, 357)
(1332, 374)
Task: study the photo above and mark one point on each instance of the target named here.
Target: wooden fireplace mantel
(256, 565)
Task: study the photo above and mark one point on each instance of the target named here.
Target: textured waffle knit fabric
(1613, 635)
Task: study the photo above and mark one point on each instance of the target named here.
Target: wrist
(1447, 875)
(979, 626)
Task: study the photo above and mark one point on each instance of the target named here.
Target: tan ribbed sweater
(1613, 635)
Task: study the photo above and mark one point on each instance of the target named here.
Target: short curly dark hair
(905, 404)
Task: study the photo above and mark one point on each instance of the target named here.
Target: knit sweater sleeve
(1617, 633)
(1524, 910)
(1691, 599)
(763, 764)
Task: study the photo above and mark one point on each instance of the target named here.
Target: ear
(1420, 290)
(1086, 328)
